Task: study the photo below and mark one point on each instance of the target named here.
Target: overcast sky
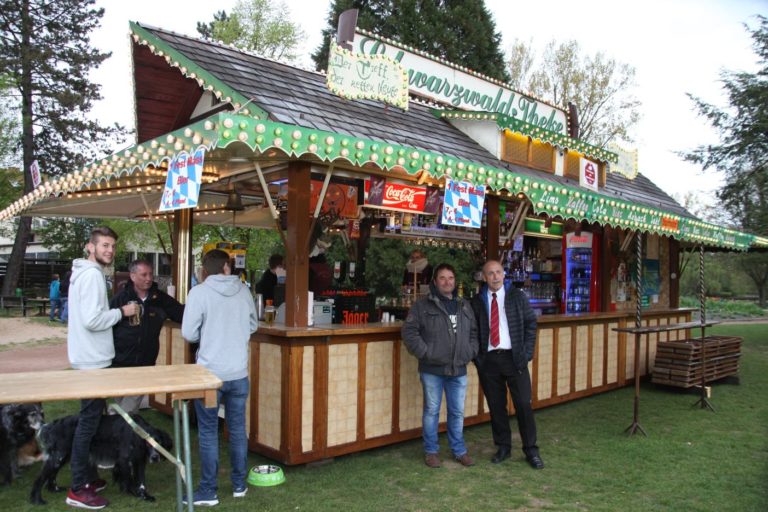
(676, 47)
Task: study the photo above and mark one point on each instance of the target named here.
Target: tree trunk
(24, 233)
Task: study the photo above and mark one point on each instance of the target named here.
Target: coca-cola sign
(394, 196)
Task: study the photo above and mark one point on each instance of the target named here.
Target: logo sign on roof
(375, 77)
(463, 204)
(182, 186)
(588, 172)
(627, 164)
(447, 83)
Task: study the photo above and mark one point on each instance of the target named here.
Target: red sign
(339, 198)
(394, 196)
(667, 223)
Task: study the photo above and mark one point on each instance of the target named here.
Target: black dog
(18, 425)
(114, 444)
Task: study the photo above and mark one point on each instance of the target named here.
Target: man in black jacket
(442, 333)
(138, 345)
(507, 332)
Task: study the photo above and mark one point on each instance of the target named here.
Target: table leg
(635, 426)
(177, 448)
(187, 454)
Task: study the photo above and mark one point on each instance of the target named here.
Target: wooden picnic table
(181, 382)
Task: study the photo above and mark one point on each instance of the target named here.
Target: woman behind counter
(417, 269)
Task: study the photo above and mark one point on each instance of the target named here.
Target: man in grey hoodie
(89, 346)
(220, 315)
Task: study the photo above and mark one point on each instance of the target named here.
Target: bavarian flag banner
(463, 204)
(182, 185)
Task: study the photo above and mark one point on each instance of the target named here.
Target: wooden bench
(9, 303)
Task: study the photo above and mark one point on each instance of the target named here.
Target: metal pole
(187, 454)
(177, 445)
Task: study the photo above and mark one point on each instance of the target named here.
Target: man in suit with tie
(507, 329)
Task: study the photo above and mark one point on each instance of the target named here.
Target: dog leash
(145, 436)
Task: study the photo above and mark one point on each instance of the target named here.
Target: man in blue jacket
(220, 315)
(441, 332)
(507, 330)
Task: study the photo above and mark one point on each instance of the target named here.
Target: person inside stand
(220, 317)
(417, 269)
(441, 332)
(138, 345)
(54, 296)
(90, 346)
(268, 281)
(507, 332)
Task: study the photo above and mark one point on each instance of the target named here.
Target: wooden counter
(329, 390)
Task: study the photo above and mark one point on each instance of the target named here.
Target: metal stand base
(704, 402)
(634, 428)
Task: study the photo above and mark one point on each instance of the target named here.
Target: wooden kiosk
(265, 128)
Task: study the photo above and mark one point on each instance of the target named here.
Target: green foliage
(262, 243)
(724, 309)
(741, 154)
(46, 52)
(259, 26)
(601, 88)
(69, 236)
(460, 31)
(723, 276)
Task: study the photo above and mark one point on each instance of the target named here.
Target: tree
(46, 53)
(601, 88)
(460, 31)
(67, 236)
(258, 26)
(742, 154)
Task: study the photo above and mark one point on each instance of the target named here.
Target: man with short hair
(220, 315)
(441, 332)
(138, 345)
(90, 346)
(507, 327)
(268, 281)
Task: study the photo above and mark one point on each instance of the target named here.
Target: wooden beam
(296, 255)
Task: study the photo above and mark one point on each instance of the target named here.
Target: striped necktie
(494, 322)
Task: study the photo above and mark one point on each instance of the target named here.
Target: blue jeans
(55, 305)
(455, 391)
(64, 309)
(233, 394)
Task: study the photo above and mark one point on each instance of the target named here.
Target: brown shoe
(465, 460)
(432, 460)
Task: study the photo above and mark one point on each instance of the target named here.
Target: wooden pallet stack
(679, 363)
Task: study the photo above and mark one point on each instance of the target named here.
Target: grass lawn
(692, 460)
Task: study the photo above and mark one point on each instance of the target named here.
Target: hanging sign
(34, 171)
(182, 186)
(395, 196)
(627, 164)
(463, 204)
(588, 173)
(376, 77)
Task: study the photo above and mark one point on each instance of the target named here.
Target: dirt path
(29, 345)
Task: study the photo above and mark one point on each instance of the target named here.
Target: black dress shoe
(501, 454)
(535, 462)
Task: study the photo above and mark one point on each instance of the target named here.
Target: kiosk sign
(376, 77)
(588, 174)
(463, 204)
(182, 186)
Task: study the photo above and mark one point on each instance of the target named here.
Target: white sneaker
(240, 493)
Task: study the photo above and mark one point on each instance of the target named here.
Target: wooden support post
(490, 234)
(296, 254)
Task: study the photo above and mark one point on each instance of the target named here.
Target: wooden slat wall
(318, 397)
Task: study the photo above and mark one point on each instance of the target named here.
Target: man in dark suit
(507, 331)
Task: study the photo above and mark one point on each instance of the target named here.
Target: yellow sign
(376, 77)
(627, 164)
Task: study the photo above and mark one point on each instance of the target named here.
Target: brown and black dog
(19, 424)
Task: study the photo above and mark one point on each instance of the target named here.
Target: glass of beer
(269, 312)
(135, 319)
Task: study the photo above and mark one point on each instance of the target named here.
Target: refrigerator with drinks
(580, 278)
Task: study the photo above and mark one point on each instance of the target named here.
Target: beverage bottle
(269, 312)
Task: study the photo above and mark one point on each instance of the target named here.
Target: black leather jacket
(139, 345)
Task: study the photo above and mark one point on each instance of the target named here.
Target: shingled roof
(300, 97)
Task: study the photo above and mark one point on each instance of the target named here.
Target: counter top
(278, 329)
